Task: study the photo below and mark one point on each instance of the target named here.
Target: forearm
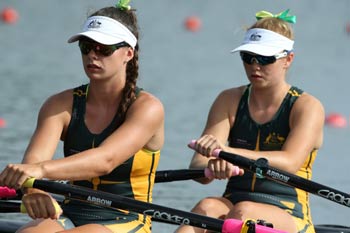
(278, 159)
(85, 165)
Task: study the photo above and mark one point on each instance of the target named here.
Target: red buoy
(347, 28)
(336, 120)
(9, 15)
(2, 123)
(193, 23)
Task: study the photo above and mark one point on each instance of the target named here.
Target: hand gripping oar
(262, 169)
(186, 174)
(161, 177)
(162, 213)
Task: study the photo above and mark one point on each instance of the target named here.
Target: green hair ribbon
(123, 5)
(283, 16)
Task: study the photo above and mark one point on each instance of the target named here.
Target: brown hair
(127, 18)
(276, 25)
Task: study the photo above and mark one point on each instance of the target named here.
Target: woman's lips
(93, 67)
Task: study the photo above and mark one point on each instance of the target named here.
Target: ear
(289, 59)
(129, 53)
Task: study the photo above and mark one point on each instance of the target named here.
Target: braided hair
(128, 19)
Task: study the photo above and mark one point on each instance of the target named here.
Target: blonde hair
(276, 25)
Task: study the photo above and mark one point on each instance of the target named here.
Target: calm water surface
(185, 70)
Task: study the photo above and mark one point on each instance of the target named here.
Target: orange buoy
(347, 28)
(336, 120)
(9, 15)
(2, 123)
(193, 23)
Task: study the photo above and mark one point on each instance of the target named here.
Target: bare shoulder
(58, 103)
(307, 102)
(231, 94)
(147, 102)
(149, 99)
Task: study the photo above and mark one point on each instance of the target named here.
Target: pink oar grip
(192, 144)
(6, 192)
(234, 226)
(216, 152)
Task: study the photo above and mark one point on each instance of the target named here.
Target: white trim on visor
(264, 42)
(106, 31)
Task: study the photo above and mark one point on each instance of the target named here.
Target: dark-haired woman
(112, 131)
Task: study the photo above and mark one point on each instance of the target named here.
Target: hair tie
(123, 5)
(283, 16)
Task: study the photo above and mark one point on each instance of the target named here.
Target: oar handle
(208, 173)
(57, 207)
(234, 225)
(29, 183)
(6, 192)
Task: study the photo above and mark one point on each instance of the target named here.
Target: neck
(105, 93)
(262, 98)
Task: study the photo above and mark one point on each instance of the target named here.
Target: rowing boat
(10, 226)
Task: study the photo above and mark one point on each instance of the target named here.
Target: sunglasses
(262, 60)
(105, 50)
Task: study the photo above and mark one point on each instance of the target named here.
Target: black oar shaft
(259, 167)
(110, 200)
(178, 175)
(9, 206)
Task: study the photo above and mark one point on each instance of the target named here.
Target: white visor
(264, 42)
(106, 31)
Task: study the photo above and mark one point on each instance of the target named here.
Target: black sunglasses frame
(105, 50)
(248, 58)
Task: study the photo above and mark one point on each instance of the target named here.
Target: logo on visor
(94, 24)
(255, 37)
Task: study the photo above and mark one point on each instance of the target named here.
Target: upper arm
(142, 128)
(306, 129)
(53, 117)
(220, 119)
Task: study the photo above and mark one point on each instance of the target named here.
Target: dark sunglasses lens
(85, 47)
(104, 50)
(247, 58)
(262, 60)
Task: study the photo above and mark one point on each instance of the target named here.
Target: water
(185, 70)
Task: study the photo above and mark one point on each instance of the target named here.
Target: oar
(181, 174)
(7, 206)
(161, 177)
(158, 212)
(261, 168)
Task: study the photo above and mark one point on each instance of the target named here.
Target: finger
(43, 207)
(217, 168)
(54, 210)
(18, 179)
(241, 172)
(28, 206)
(224, 166)
(3, 176)
(7, 176)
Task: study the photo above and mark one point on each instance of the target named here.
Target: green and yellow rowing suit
(270, 136)
(134, 178)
